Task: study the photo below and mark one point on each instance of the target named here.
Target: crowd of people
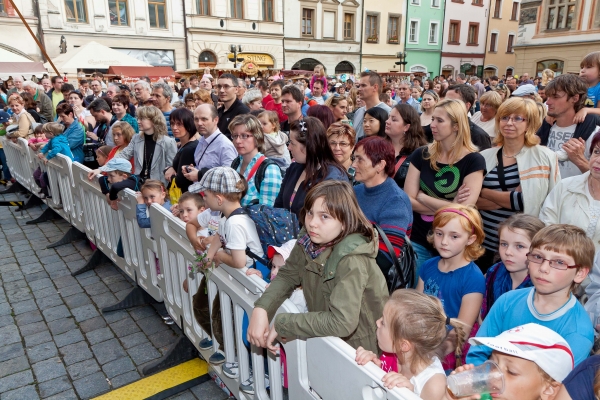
(494, 182)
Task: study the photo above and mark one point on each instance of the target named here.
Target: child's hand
(365, 356)
(92, 174)
(394, 379)
(272, 344)
(40, 156)
(463, 368)
(198, 243)
(114, 204)
(45, 160)
(185, 286)
(580, 116)
(139, 198)
(175, 210)
(253, 271)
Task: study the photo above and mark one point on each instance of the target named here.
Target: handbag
(174, 192)
(89, 152)
(404, 271)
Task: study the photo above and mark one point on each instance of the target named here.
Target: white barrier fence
(316, 368)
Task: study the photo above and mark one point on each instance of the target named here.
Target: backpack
(275, 226)
(403, 273)
(260, 167)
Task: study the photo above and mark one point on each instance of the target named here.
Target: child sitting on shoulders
(534, 361)
(453, 277)
(190, 206)
(57, 142)
(515, 234)
(559, 259)
(275, 146)
(39, 138)
(118, 177)
(411, 335)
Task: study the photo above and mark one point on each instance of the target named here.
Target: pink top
(321, 78)
(36, 141)
(389, 362)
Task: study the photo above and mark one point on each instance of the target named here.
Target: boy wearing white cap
(534, 361)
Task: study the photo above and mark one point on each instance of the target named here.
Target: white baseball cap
(535, 343)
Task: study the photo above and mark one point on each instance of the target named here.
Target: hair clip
(302, 126)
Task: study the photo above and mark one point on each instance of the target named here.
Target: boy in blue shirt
(559, 259)
(590, 74)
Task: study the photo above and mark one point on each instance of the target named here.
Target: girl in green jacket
(334, 262)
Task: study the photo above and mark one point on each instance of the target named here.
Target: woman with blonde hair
(262, 174)
(547, 76)
(485, 119)
(449, 170)
(520, 171)
(339, 107)
(152, 149)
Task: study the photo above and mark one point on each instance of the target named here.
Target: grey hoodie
(276, 146)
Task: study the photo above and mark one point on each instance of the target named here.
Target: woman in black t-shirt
(438, 171)
(403, 129)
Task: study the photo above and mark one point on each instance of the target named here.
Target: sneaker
(231, 370)
(217, 358)
(205, 344)
(248, 385)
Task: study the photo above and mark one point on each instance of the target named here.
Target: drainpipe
(442, 39)
(486, 41)
(406, 31)
(40, 31)
(283, 26)
(185, 35)
(362, 30)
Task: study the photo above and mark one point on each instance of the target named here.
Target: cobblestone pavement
(55, 343)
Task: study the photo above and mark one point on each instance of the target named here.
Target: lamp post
(401, 56)
(235, 50)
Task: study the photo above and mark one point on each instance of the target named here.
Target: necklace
(515, 156)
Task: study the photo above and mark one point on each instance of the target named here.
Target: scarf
(498, 282)
(312, 249)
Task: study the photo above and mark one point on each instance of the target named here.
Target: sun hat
(117, 164)
(220, 180)
(524, 90)
(535, 343)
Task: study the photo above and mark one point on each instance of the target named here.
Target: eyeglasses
(226, 87)
(242, 136)
(342, 145)
(556, 264)
(517, 119)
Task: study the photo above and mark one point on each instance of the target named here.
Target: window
(207, 59)
(555, 65)
(509, 46)
(415, 2)
(433, 32)
(493, 42)
(203, 7)
(394, 30)
(348, 26)
(413, 33)
(477, 2)
(472, 38)
(371, 29)
(268, 11)
(118, 12)
(2, 7)
(75, 10)
(307, 22)
(156, 11)
(498, 9)
(560, 14)
(454, 32)
(435, 3)
(237, 9)
(515, 10)
(328, 25)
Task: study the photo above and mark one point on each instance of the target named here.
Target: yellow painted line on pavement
(163, 381)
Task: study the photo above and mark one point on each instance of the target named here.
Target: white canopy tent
(93, 55)
(25, 69)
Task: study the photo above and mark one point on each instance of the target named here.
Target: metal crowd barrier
(313, 365)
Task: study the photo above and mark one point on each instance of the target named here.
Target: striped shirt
(493, 218)
(269, 188)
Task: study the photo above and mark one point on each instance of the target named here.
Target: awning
(95, 56)
(9, 56)
(25, 69)
(134, 73)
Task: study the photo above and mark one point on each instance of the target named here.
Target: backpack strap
(238, 211)
(255, 167)
(399, 164)
(260, 173)
(236, 163)
(392, 253)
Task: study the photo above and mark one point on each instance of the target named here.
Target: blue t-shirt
(580, 382)
(593, 96)
(451, 287)
(516, 308)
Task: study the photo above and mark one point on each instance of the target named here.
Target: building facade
(424, 32)
(254, 25)
(383, 34)
(12, 28)
(326, 32)
(503, 26)
(556, 35)
(152, 30)
(465, 31)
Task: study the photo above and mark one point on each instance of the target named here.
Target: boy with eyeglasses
(559, 259)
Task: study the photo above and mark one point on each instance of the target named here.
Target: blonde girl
(453, 277)
(449, 170)
(318, 75)
(411, 333)
(547, 76)
(152, 191)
